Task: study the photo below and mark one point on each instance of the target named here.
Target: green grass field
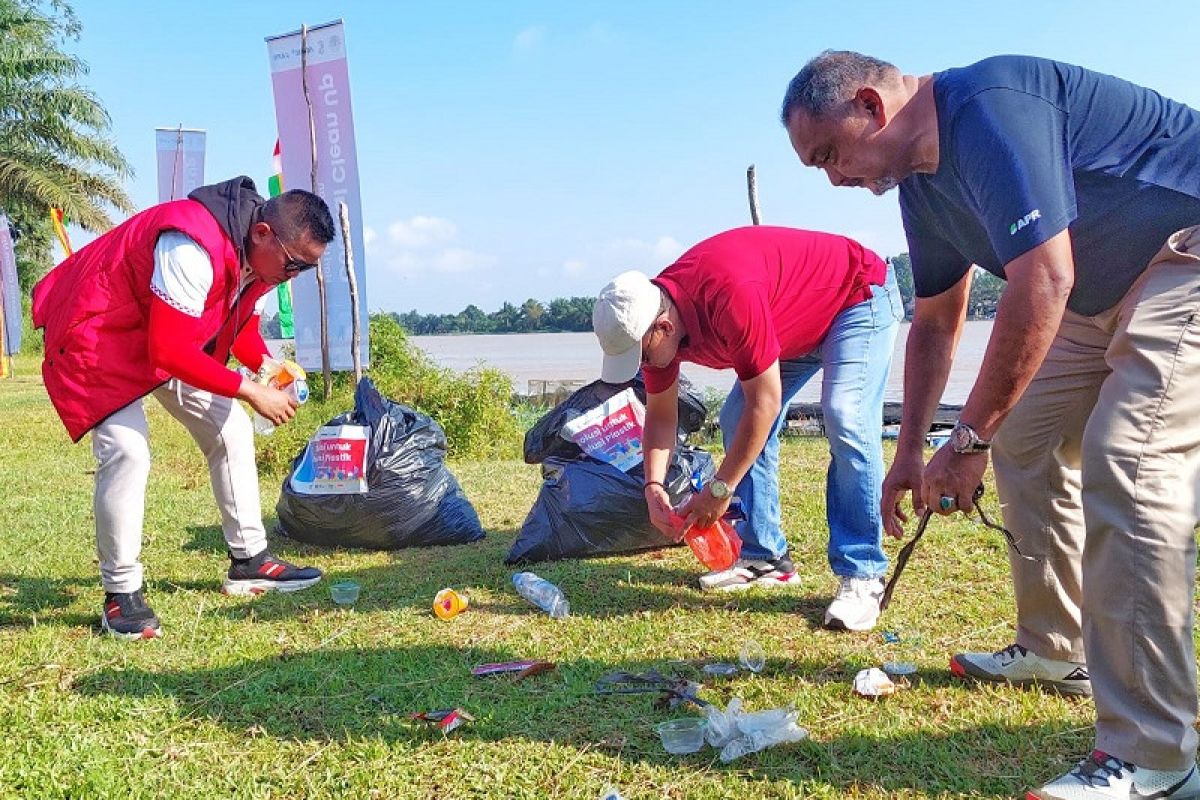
(290, 696)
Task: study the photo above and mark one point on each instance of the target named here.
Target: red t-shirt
(751, 296)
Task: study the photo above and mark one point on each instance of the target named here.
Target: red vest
(95, 307)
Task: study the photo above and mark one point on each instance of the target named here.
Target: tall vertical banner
(180, 161)
(10, 298)
(337, 181)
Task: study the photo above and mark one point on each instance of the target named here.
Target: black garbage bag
(589, 508)
(412, 500)
(542, 441)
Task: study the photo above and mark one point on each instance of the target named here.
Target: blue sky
(535, 149)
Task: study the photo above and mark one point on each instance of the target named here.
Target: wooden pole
(352, 283)
(752, 190)
(323, 309)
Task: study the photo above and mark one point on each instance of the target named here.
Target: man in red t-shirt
(776, 305)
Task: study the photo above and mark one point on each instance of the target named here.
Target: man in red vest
(156, 306)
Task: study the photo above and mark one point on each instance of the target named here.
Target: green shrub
(474, 408)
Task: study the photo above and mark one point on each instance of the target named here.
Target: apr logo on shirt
(1023, 221)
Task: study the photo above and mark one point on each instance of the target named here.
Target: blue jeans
(856, 356)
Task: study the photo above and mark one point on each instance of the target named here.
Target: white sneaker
(1102, 777)
(1016, 665)
(856, 606)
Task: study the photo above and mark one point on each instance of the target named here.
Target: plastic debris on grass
(524, 669)
(873, 684)
(447, 719)
(736, 732)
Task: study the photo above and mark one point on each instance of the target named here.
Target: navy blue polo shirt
(1029, 147)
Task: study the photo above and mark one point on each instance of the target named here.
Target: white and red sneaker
(747, 572)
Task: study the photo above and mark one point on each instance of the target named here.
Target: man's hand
(953, 475)
(662, 516)
(273, 405)
(702, 510)
(906, 475)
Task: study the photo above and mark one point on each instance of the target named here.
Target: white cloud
(421, 231)
(574, 268)
(457, 260)
(529, 39)
(424, 245)
(369, 235)
(646, 256)
(667, 248)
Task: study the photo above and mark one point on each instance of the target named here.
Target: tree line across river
(566, 314)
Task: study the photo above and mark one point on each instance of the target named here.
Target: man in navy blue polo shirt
(1082, 191)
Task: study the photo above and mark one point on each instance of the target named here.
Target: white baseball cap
(623, 313)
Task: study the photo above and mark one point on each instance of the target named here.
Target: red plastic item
(717, 547)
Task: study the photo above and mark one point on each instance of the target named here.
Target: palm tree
(54, 149)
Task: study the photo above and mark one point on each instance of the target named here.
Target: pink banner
(337, 182)
(180, 161)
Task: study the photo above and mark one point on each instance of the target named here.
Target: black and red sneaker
(266, 573)
(127, 616)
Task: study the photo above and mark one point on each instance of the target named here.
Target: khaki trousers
(121, 445)
(1097, 469)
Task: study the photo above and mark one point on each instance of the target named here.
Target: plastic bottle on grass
(542, 593)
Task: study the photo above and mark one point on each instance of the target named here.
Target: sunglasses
(294, 266)
(907, 551)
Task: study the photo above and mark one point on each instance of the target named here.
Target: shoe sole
(835, 624)
(257, 586)
(764, 582)
(967, 671)
(145, 633)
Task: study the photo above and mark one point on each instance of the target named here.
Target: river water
(531, 358)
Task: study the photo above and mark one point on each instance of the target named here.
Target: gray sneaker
(748, 572)
(1016, 665)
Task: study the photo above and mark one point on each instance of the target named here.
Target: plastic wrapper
(736, 732)
(873, 684)
(412, 500)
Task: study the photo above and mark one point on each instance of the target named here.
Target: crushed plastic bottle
(735, 732)
(286, 376)
(543, 594)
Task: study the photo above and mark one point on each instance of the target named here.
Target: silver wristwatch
(718, 488)
(964, 439)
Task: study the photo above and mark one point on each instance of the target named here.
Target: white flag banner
(180, 161)
(337, 182)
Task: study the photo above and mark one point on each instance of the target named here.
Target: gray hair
(830, 78)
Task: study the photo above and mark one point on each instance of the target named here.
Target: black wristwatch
(964, 439)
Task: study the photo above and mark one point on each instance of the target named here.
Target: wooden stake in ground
(352, 283)
(752, 190)
(322, 303)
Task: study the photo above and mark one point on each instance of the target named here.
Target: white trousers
(121, 445)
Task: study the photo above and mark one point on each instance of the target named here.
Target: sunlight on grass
(290, 696)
